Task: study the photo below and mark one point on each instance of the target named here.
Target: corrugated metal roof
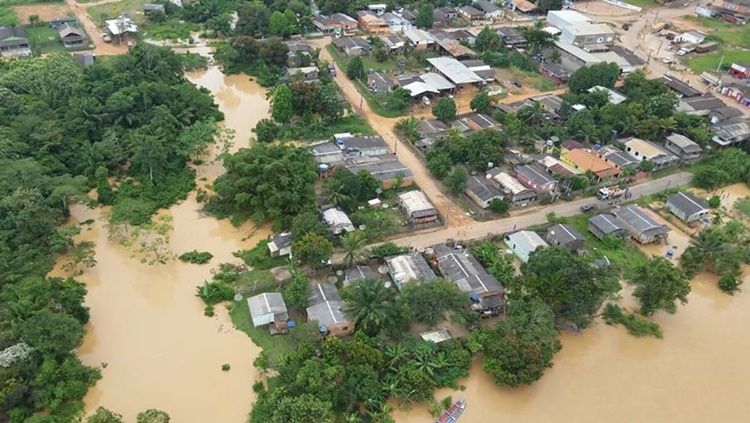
(267, 308)
(463, 269)
(687, 203)
(527, 241)
(416, 204)
(454, 70)
(638, 219)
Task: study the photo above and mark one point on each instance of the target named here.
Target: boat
(452, 413)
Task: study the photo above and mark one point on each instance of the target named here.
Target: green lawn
(709, 62)
(112, 10)
(170, 30)
(44, 40)
(727, 33)
(624, 256)
(8, 17)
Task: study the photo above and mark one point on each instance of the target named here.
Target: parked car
(667, 60)
(588, 207)
(517, 84)
(426, 100)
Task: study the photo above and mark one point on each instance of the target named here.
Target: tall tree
(353, 244)
(102, 415)
(372, 306)
(312, 250)
(568, 283)
(152, 416)
(431, 302)
(521, 347)
(659, 284)
(445, 109)
(282, 106)
(355, 69)
(602, 74)
(425, 16)
(481, 102)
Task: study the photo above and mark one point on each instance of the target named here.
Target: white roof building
(562, 18)
(416, 205)
(614, 96)
(121, 25)
(510, 183)
(455, 71)
(338, 221)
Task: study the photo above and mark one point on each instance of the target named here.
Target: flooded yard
(147, 330)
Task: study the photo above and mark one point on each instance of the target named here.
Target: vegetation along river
(161, 352)
(148, 326)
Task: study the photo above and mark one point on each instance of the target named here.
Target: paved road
(480, 230)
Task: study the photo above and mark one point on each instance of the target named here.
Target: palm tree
(532, 115)
(353, 243)
(335, 192)
(371, 305)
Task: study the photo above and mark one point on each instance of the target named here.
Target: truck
(612, 193)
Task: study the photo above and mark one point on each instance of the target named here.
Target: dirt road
(454, 216)
(102, 48)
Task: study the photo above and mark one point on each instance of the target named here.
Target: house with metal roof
(436, 336)
(417, 207)
(379, 83)
(14, 41)
(603, 225)
(573, 57)
(365, 145)
(554, 166)
(326, 307)
(687, 150)
(614, 96)
(326, 152)
(409, 267)
(556, 72)
(470, 14)
(268, 308)
(352, 46)
(338, 221)
(306, 74)
(455, 71)
(385, 169)
(563, 18)
(482, 191)
(641, 225)
(586, 34)
(523, 243)
(337, 22)
(731, 131)
(490, 10)
(687, 206)
(511, 37)
(645, 150)
(524, 6)
(513, 190)
(464, 270)
(536, 179)
(618, 158)
(700, 106)
(454, 48)
(479, 121)
(419, 38)
(72, 36)
(280, 245)
(359, 273)
(566, 236)
(394, 43)
(680, 88)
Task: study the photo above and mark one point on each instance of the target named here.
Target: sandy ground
(46, 12)
(102, 48)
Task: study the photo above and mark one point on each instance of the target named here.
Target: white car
(666, 60)
(682, 52)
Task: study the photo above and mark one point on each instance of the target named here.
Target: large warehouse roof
(455, 70)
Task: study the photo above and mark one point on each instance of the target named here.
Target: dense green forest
(64, 131)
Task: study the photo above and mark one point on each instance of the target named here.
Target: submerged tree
(659, 284)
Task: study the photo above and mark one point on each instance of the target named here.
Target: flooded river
(147, 326)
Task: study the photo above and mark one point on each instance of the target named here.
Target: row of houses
(14, 41)
(519, 189)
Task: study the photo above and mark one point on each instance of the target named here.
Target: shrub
(214, 292)
(636, 326)
(499, 206)
(225, 367)
(388, 249)
(714, 202)
(729, 284)
(196, 257)
(259, 258)
(208, 311)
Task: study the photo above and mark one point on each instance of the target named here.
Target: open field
(44, 39)
(113, 10)
(531, 82)
(709, 62)
(45, 11)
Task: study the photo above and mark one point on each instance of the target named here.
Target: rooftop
(535, 175)
(383, 170)
(364, 142)
(417, 204)
(606, 223)
(551, 102)
(480, 120)
(588, 161)
(578, 52)
(687, 203)
(680, 87)
(454, 48)
(358, 273)
(349, 42)
(685, 143)
(584, 29)
(620, 159)
(431, 126)
(527, 240)
(471, 11)
(508, 182)
(454, 70)
(614, 96)
(325, 305)
(267, 308)
(564, 234)
(419, 36)
(639, 219)
(436, 81)
(648, 149)
(462, 268)
(282, 240)
(524, 6)
(486, 6)
(482, 188)
(121, 25)
(408, 267)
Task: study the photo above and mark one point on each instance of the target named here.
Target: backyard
(723, 58)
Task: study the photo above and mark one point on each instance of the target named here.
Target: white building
(564, 18)
(588, 34)
(337, 221)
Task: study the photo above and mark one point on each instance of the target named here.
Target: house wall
(683, 216)
(477, 200)
(599, 234)
(549, 186)
(519, 252)
(677, 151)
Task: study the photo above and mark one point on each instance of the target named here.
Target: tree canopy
(266, 183)
(603, 74)
(659, 284)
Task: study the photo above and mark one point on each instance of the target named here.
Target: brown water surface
(148, 326)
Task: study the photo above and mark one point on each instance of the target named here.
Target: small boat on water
(452, 413)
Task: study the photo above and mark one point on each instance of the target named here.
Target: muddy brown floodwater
(698, 373)
(148, 326)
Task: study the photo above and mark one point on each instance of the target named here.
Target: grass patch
(636, 325)
(8, 17)
(259, 258)
(640, 2)
(623, 255)
(527, 78)
(743, 206)
(709, 62)
(44, 40)
(170, 30)
(112, 10)
(727, 33)
(352, 123)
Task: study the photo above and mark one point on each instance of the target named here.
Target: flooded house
(459, 266)
(641, 225)
(326, 307)
(409, 267)
(687, 206)
(268, 309)
(523, 243)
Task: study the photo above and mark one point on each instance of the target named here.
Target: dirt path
(454, 216)
(102, 48)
